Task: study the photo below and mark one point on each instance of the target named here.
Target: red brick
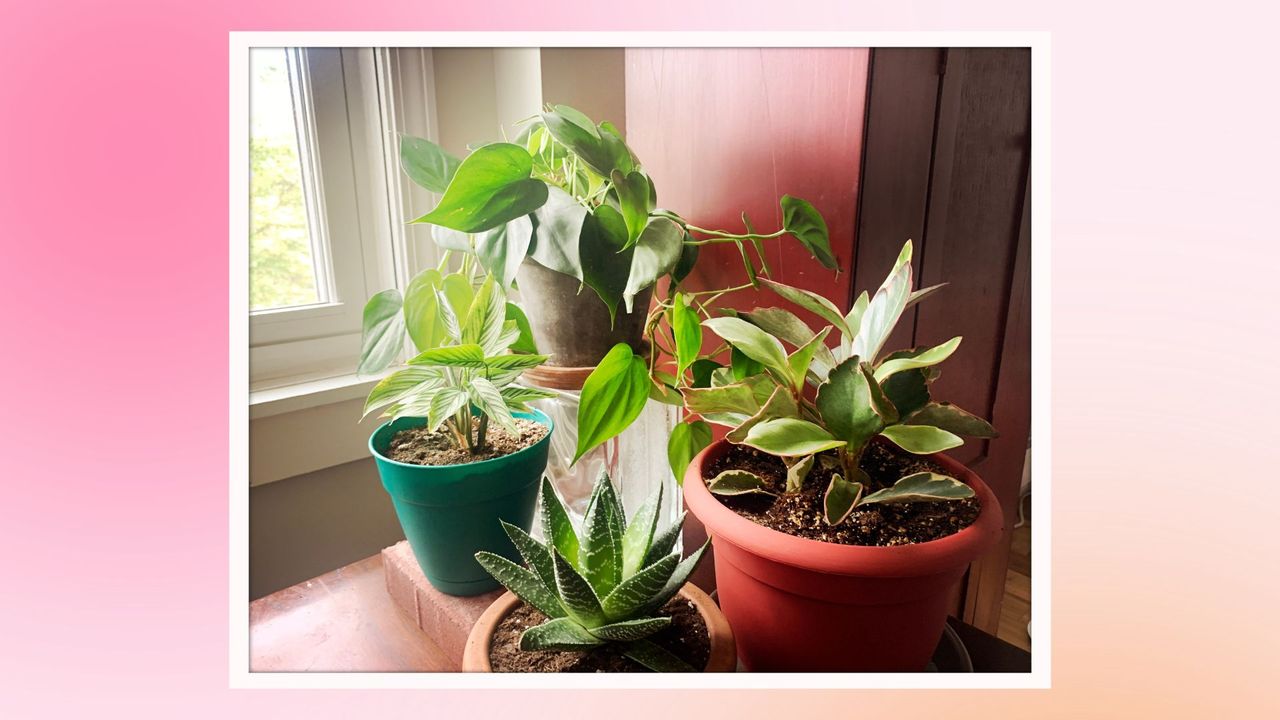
(445, 618)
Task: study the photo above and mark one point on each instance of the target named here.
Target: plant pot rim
(723, 657)
(536, 415)
(916, 559)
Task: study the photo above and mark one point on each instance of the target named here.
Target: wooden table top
(344, 621)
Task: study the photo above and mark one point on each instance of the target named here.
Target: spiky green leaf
(556, 524)
(630, 630)
(559, 634)
(638, 590)
(575, 593)
(638, 534)
(655, 657)
(523, 582)
(537, 557)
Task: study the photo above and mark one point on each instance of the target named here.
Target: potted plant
(461, 450)
(839, 530)
(612, 598)
(568, 204)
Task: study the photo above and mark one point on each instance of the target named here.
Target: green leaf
(559, 634)
(656, 658)
(908, 391)
(490, 188)
(421, 312)
(810, 301)
(702, 369)
(426, 163)
(638, 590)
(805, 223)
(883, 313)
(664, 542)
(606, 257)
(630, 630)
(797, 472)
(613, 396)
(790, 437)
(556, 524)
(854, 318)
(852, 405)
(687, 439)
(502, 249)
(920, 359)
(488, 399)
(576, 594)
(573, 130)
(400, 384)
(521, 581)
(948, 417)
(382, 332)
(524, 342)
(612, 142)
(687, 331)
(688, 259)
(467, 356)
(518, 363)
(444, 404)
(840, 499)
(458, 293)
(557, 234)
(801, 360)
(639, 533)
(600, 554)
(742, 366)
(921, 439)
(738, 482)
(483, 322)
(633, 201)
(517, 396)
(676, 581)
(656, 252)
(781, 404)
(537, 557)
(922, 293)
(753, 342)
(921, 487)
(735, 398)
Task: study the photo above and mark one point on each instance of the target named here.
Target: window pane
(282, 269)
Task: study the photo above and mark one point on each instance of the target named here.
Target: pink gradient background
(113, 280)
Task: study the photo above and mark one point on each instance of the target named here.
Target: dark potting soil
(417, 446)
(686, 637)
(800, 514)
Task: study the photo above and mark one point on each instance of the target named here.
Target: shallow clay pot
(475, 658)
(805, 605)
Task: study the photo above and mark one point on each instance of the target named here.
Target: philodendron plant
(464, 335)
(861, 393)
(603, 586)
(569, 194)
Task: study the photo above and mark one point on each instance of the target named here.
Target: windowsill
(302, 393)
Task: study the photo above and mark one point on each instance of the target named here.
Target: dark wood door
(918, 143)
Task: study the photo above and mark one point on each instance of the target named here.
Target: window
(326, 203)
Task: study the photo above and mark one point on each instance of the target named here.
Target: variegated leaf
(488, 398)
(559, 634)
(948, 417)
(600, 555)
(401, 384)
(923, 358)
(638, 590)
(664, 542)
(737, 482)
(841, 498)
(630, 630)
(523, 582)
(536, 555)
(921, 487)
(575, 593)
(444, 404)
(921, 439)
(797, 472)
(676, 581)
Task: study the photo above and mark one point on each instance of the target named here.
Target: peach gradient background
(113, 277)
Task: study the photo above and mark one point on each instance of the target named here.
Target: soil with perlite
(800, 514)
(419, 446)
(686, 637)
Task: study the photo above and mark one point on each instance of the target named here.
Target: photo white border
(241, 677)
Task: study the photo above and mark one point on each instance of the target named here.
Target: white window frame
(354, 104)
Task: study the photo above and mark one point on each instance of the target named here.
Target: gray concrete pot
(570, 322)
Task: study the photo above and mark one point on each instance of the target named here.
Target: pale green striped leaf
(488, 398)
(466, 356)
(401, 384)
(514, 362)
(444, 403)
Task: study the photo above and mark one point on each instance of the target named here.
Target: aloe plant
(571, 195)
(463, 378)
(603, 586)
(861, 393)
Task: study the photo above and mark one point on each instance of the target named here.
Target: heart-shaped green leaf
(490, 188)
(382, 332)
(524, 341)
(633, 201)
(426, 163)
(921, 487)
(606, 259)
(805, 223)
(656, 252)
(791, 437)
(502, 249)
(557, 233)
(921, 439)
(687, 440)
(687, 331)
(612, 397)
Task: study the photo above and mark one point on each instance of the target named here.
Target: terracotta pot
(475, 657)
(806, 605)
(571, 323)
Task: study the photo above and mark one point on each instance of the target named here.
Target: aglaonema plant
(570, 194)
(603, 586)
(861, 393)
(464, 378)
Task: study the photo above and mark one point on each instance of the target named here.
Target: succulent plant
(603, 586)
(861, 393)
(464, 377)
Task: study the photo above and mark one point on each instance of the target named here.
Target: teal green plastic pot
(451, 512)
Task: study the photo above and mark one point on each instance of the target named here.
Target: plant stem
(718, 236)
(481, 431)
